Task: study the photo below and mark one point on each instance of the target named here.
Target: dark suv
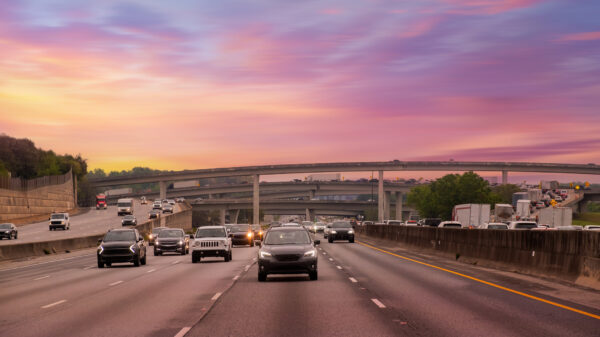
(171, 240)
(8, 230)
(341, 230)
(122, 245)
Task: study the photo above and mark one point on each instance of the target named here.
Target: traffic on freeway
(95, 221)
(365, 288)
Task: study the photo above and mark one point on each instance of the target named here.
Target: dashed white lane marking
(183, 331)
(41, 278)
(88, 267)
(115, 283)
(254, 259)
(176, 262)
(320, 248)
(330, 259)
(214, 298)
(247, 267)
(236, 277)
(324, 253)
(352, 279)
(53, 304)
(339, 267)
(378, 303)
(151, 270)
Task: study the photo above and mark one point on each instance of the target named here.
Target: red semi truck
(100, 201)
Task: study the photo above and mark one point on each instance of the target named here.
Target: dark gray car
(8, 230)
(121, 245)
(287, 251)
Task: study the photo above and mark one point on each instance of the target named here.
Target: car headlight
(180, 242)
(150, 236)
(131, 248)
(196, 243)
(264, 254)
(100, 249)
(350, 232)
(249, 234)
(310, 253)
(260, 233)
(332, 232)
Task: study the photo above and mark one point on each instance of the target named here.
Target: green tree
(439, 198)
(503, 193)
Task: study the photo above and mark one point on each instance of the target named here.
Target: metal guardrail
(18, 184)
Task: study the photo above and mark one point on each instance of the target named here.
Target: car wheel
(136, 262)
(143, 260)
(108, 264)
(100, 264)
(313, 275)
(330, 240)
(10, 237)
(252, 243)
(183, 251)
(226, 257)
(195, 258)
(155, 252)
(262, 277)
(16, 236)
(351, 240)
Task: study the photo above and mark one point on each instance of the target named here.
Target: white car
(59, 220)
(522, 225)
(450, 224)
(307, 225)
(591, 228)
(318, 227)
(326, 230)
(494, 225)
(211, 241)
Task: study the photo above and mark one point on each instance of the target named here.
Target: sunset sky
(200, 84)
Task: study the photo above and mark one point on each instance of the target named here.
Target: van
(125, 206)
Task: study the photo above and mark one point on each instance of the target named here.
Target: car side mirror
(192, 236)
(141, 238)
(317, 242)
(99, 241)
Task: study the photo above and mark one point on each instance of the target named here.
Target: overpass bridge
(395, 165)
(308, 208)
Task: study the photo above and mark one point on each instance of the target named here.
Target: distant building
(491, 180)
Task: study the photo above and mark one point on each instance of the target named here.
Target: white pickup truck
(59, 220)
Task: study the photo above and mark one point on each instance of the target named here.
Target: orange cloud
(587, 36)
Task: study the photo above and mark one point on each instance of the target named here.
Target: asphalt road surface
(361, 291)
(92, 222)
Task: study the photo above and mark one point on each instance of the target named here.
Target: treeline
(437, 199)
(136, 171)
(22, 159)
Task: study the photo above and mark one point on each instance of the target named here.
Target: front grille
(209, 243)
(287, 257)
(116, 251)
(240, 236)
(56, 222)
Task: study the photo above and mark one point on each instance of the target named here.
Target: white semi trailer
(471, 215)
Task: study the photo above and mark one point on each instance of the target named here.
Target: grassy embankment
(589, 218)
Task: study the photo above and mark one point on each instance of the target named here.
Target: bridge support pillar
(387, 205)
(256, 200)
(222, 216)
(504, 177)
(236, 216)
(308, 215)
(162, 185)
(311, 194)
(380, 197)
(399, 198)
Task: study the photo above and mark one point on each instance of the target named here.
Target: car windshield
(58, 216)
(256, 227)
(167, 233)
(157, 230)
(119, 236)
(128, 217)
(211, 233)
(341, 224)
(240, 228)
(5, 226)
(294, 237)
(306, 223)
(290, 225)
(124, 204)
(525, 225)
(496, 226)
(452, 225)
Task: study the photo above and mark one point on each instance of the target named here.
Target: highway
(92, 222)
(361, 291)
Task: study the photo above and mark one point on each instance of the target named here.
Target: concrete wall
(42, 200)
(572, 255)
(182, 219)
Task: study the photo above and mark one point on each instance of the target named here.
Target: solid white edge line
(41, 278)
(183, 331)
(176, 262)
(339, 267)
(236, 277)
(352, 279)
(151, 270)
(37, 264)
(115, 283)
(378, 303)
(53, 304)
(214, 298)
(330, 259)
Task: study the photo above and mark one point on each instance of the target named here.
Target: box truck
(503, 212)
(556, 216)
(471, 215)
(535, 194)
(523, 209)
(518, 196)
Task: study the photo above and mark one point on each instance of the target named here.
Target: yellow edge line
(485, 282)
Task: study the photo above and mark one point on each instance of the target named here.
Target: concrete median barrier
(569, 255)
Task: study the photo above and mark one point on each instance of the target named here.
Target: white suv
(211, 241)
(59, 220)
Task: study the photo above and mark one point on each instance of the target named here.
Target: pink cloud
(419, 28)
(587, 36)
(475, 7)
